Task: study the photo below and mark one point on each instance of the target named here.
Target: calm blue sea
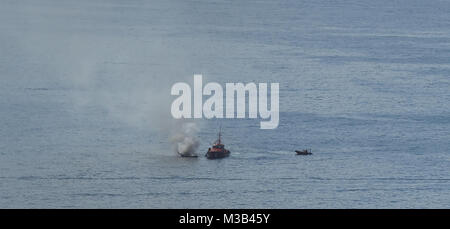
(85, 103)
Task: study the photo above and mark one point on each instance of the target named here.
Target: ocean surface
(85, 103)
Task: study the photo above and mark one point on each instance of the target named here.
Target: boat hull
(187, 155)
(217, 155)
(191, 155)
(303, 152)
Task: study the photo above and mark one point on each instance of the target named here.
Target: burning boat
(218, 150)
(187, 154)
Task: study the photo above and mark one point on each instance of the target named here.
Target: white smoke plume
(109, 69)
(184, 139)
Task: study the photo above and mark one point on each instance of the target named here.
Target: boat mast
(220, 130)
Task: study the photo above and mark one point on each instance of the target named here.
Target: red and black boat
(218, 150)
